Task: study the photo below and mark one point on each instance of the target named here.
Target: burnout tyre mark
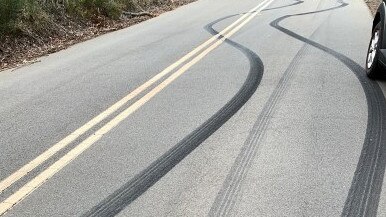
(364, 193)
(229, 192)
(135, 187)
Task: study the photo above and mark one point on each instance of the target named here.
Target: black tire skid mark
(364, 193)
(135, 187)
(229, 193)
(224, 202)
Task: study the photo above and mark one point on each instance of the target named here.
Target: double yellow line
(198, 53)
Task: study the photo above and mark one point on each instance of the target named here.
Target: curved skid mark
(364, 193)
(229, 193)
(363, 198)
(135, 187)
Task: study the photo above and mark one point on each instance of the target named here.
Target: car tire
(373, 68)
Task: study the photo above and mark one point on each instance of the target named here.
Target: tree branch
(133, 14)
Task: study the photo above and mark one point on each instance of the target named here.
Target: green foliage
(21, 16)
(91, 8)
(36, 16)
(9, 10)
(107, 8)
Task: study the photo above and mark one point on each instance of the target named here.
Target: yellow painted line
(4, 184)
(80, 148)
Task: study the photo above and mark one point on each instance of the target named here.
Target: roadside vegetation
(31, 28)
(36, 16)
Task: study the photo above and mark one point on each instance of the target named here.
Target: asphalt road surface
(268, 113)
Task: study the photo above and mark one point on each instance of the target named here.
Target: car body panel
(381, 12)
(381, 16)
(382, 57)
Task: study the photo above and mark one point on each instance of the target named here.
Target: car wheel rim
(372, 49)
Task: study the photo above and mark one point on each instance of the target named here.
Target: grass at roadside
(31, 28)
(34, 17)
